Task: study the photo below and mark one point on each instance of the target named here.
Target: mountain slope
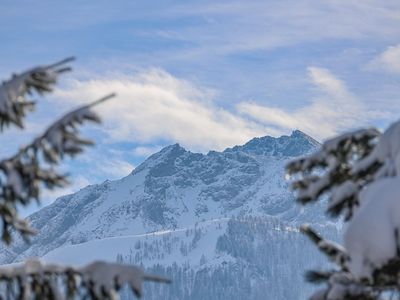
(176, 208)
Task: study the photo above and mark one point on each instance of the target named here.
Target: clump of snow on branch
(386, 154)
(372, 237)
(359, 172)
(35, 279)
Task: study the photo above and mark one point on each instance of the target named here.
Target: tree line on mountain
(252, 257)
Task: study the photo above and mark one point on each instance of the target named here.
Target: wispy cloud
(144, 151)
(388, 61)
(76, 183)
(114, 168)
(333, 109)
(155, 105)
(237, 26)
(183, 30)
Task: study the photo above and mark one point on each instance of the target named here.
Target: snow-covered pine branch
(334, 170)
(361, 173)
(13, 101)
(22, 177)
(32, 167)
(35, 279)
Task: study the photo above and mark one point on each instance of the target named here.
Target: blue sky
(206, 74)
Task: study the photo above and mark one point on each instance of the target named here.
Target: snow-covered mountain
(222, 225)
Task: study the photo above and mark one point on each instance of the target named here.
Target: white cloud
(232, 25)
(155, 105)
(145, 151)
(332, 110)
(236, 26)
(76, 183)
(389, 60)
(115, 168)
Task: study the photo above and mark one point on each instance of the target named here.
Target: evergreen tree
(25, 174)
(359, 174)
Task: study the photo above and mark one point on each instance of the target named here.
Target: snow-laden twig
(35, 279)
(32, 167)
(334, 251)
(13, 101)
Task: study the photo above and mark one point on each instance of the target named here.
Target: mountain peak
(298, 143)
(166, 154)
(173, 150)
(298, 134)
